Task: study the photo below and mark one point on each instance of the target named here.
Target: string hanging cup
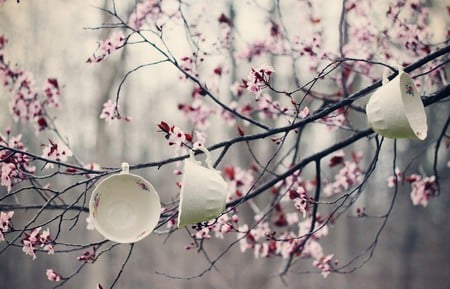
(125, 208)
(395, 110)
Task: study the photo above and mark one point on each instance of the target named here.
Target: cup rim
(149, 188)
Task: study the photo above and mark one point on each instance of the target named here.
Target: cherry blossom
(88, 256)
(27, 103)
(56, 152)
(258, 79)
(335, 120)
(35, 240)
(5, 218)
(324, 264)
(422, 189)
(197, 112)
(349, 175)
(180, 140)
(115, 41)
(110, 112)
(239, 181)
(149, 9)
(392, 180)
(53, 276)
(14, 166)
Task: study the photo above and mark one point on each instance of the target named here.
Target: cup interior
(413, 106)
(125, 208)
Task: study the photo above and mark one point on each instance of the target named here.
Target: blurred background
(54, 38)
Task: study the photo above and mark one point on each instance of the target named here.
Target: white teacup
(395, 110)
(125, 208)
(203, 192)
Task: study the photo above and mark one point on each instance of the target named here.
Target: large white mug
(395, 110)
(203, 192)
(125, 208)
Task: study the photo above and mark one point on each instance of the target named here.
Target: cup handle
(125, 168)
(208, 156)
(386, 72)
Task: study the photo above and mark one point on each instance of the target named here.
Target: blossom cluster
(88, 256)
(14, 166)
(296, 241)
(35, 240)
(258, 79)
(224, 224)
(422, 189)
(149, 9)
(115, 41)
(348, 176)
(181, 140)
(197, 111)
(56, 152)
(28, 103)
(5, 218)
(110, 112)
(53, 276)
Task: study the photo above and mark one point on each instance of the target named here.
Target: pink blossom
(202, 233)
(237, 89)
(313, 249)
(115, 41)
(320, 229)
(239, 181)
(56, 152)
(5, 218)
(324, 264)
(109, 111)
(224, 224)
(88, 256)
(27, 104)
(258, 79)
(348, 176)
(35, 240)
(29, 249)
(92, 167)
(393, 179)
(242, 236)
(335, 120)
(303, 202)
(7, 174)
(292, 218)
(423, 189)
(52, 92)
(268, 107)
(14, 167)
(188, 65)
(53, 276)
(198, 112)
(142, 12)
(286, 248)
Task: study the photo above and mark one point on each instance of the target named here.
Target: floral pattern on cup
(409, 89)
(142, 185)
(96, 204)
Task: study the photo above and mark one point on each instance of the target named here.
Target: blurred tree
(277, 92)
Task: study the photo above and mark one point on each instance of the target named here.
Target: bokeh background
(53, 38)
